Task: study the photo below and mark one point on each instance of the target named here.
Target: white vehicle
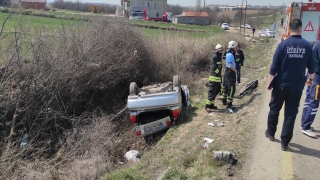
(136, 15)
(225, 26)
(247, 26)
(267, 33)
(154, 108)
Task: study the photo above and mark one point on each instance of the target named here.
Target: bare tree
(175, 9)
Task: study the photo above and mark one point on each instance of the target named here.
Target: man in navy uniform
(287, 74)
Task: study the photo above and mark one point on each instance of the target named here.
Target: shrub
(5, 10)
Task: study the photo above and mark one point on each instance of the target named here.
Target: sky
(193, 2)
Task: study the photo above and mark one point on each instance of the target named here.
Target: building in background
(192, 17)
(34, 4)
(154, 8)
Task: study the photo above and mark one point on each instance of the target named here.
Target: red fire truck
(166, 17)
(308, 13)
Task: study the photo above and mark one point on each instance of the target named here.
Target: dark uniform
(311, 103)
(229, 80)
(239, 61)
(214, 80)
(289, 64)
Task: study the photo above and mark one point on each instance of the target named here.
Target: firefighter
(215, 77)
(229, 75)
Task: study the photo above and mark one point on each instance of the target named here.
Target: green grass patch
(153, 33)
(34, 22)
(127, 174)
(209, 29)
(267, 21)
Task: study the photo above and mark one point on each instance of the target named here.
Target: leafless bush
(224, 19)
(54, 80)
(185, 56)
(175, 9)
(213, 13)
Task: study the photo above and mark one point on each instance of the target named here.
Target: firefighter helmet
(232, 44)
(219, 47)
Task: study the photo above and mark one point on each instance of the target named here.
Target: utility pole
(241, 16)
(198, 7)
(245, 19)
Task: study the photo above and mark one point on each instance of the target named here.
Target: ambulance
(309, 14)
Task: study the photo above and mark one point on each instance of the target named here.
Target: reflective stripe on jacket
(215, 68)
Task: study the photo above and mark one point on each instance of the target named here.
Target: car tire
(176, 83)
(133, 89)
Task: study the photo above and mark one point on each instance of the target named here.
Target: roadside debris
(207, 142)
(220, 124)
(211, 114)
(197, 100)
(225, 156)
(230, 110)
(206, 145)
(230, 173)
(249, 87)
(25, 141)
(211, 124)
(132, 155)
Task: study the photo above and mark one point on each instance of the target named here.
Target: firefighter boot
(211, 106)
(224, 101)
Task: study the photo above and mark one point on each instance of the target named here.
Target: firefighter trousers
(311, 104)
(291, 97)
(214, 90)
(229, 87)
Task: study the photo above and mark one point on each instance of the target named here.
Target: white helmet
(219, 47)
(232, 44)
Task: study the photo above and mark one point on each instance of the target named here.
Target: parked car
(247, 26)
(155, 107)
(225, 26)
(267, 33)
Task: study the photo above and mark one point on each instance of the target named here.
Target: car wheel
(133, 89)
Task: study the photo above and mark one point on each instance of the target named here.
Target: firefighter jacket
(215, 68)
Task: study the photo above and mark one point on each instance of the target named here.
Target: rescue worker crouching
(215, 77)
(229, 76)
